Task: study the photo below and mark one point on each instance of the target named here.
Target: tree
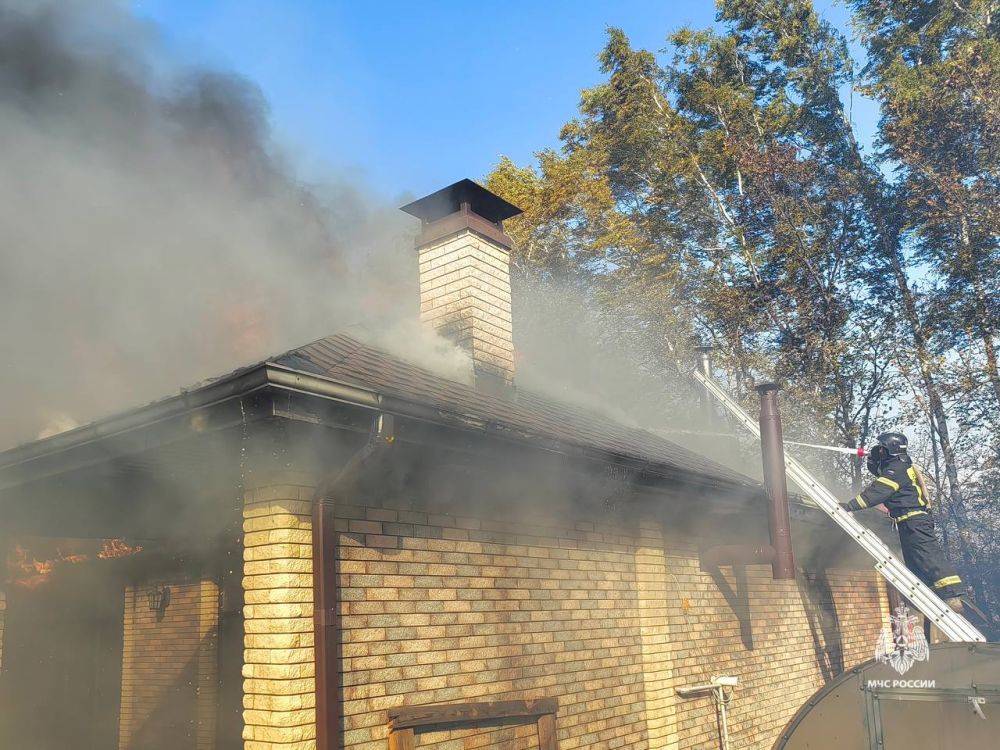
(934, 68)
(720, 190)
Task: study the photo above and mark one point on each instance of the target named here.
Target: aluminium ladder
(952, 624)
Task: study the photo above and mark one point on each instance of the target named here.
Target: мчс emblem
(903, 645)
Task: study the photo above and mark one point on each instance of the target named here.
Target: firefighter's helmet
(890, 445)
(894, 443)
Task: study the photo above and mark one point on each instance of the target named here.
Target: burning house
(334, 548)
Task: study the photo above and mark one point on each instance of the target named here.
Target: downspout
(324, 558)
(773, 455)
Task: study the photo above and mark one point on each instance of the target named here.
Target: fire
(26, 571)
(31, 564)
(112, 548)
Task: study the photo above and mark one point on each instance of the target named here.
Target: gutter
(268, 375)
(308, 383)
(240, 383)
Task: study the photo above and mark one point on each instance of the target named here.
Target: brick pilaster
(279, 695)
(654, 630)
(3, 610)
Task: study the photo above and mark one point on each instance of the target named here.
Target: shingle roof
(345, 359)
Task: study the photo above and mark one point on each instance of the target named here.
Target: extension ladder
(952, 624)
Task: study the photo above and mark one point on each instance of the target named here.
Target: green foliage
(718, 190)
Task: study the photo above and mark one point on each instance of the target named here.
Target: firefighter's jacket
(897, 487)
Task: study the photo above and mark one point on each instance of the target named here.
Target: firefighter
(899, 488)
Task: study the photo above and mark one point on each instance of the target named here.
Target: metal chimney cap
(449, 200)
(766, 388)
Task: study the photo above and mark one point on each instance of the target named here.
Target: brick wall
(654, 599)
(3, 612)
(278, 670)
(802, 632)
(609, 618)
(465, 293)
(439, 609)
(169, 667)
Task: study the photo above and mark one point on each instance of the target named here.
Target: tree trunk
(938, 484)
(984, 323)
(848, 428)
(991, 365)
(987, 334)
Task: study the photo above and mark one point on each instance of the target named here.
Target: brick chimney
(464, 259)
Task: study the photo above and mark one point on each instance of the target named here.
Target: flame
(31, 565)
(26, 571)
(112, 548)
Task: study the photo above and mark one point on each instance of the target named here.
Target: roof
(448, 200)
(345, 359)
(362, 374)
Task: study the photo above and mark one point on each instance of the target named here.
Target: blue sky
(407, 97)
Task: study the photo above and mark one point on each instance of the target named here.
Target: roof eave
(237, 384)
(320, 385)
(272, 375)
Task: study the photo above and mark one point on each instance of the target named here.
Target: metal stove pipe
(773, 454)
(705, 365)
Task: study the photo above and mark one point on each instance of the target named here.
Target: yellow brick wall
(435, 612)
(3, 611)
(609, 618)
(654, 597)
(796, 629)
(169, 666)
(465, 292)
(278, 669)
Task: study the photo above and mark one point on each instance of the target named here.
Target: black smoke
(152, 232)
